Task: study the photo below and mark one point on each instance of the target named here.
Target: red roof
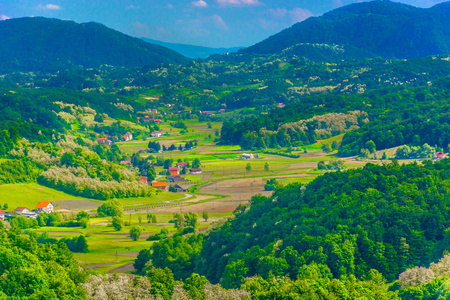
(182, 164)
(21, 208)
(101, 139)
(42, 204)
(173, 172)
(159, 184)
(143, 179)
(195, 170)
(125, 162)
(2, 212)
(173, 169)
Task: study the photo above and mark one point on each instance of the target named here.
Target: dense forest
(386, 218)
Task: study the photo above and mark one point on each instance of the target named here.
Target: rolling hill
(42, 44)
(192, 51)
(378, 28)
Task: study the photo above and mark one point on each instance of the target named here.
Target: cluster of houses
(157, 133)
(213, 112)
(41, 207)
(109, 140)
(147, 119)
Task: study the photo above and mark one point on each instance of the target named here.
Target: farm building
(249, 155)
(159, 185)
(45, 207)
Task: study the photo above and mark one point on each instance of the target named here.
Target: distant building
(440, 155)
(281, 105)
(222, 110)
(208, 112)
(195, 171)
(175, 178)
(143, 179)
(105, 141)
(2, 215)
(159, 185)
(157, 133)
(179, 188)
(249, 155)
(173, 169)
(125, 162)
(44, 207)
(127, 137)
(22, 210)
(181, 165)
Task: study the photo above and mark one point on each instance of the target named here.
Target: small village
(41, 207)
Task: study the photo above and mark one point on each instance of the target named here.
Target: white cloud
(50, 7)
(170, 6)
(299, 14)
(131, 7)
(238, 2)
(3, 17)
(219, 22)
(199, 3)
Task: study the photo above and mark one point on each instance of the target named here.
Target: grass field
(28, 195)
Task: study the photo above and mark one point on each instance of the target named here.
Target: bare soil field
(76, 205)
(125, 268)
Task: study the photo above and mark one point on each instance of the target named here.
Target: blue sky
(212, 23)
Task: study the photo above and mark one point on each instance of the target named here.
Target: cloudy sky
(212, 23)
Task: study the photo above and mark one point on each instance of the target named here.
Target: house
(154, 110)
(179, 188)
(249, 155)
(157, 120)
(127, 137)
(181, 165)
(44, 207)
(281, 105)
(143, 179)
(173, 169)
(22, 210)
(440, 155)
(208, 113)
(2, 215)
(125, 162)
(104, 141)
(157, 133)
(159, 185)
(195, 171)
(202, 229)
(175, 178)
(222, 110)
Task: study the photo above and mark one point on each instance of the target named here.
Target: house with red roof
(159, 185)
(44, 207)
(195, 171)
(104, 141)
(440, 155)
(181, 165)
(173, 169)
(22, 210)
(127, 137)
(143, 179)
(2, 215)
(125, 162)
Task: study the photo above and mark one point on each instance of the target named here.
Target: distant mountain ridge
(42, 44)
(193, 51)
(377, 28)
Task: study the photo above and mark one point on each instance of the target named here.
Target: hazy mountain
(378, 28)
(50, 44)
(192, 51)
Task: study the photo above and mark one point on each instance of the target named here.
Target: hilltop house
(159, 185)
(44, 207)
(127, 137)
(2, 215)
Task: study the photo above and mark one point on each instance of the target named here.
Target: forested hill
(378, 28)
(388, 218)
(42, 44)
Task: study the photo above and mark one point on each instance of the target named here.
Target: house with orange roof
(143, 179)
(44, 207)
(159, 185)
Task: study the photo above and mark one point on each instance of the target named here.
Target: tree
(117, 223)
(82, 215)
(110, 208)
(370, 145)
(196, 163)
(143, 257)
(266, 167)
(205, 216)
(384, 157)
(135, 232)
(82, 245)
(248, 167)
(326, 148)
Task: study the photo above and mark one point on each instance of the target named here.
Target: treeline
(385, 218)
(76, 181)
(19, 171)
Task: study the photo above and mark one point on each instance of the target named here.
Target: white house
(22, 210)
(44, 207)
(127, 137)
